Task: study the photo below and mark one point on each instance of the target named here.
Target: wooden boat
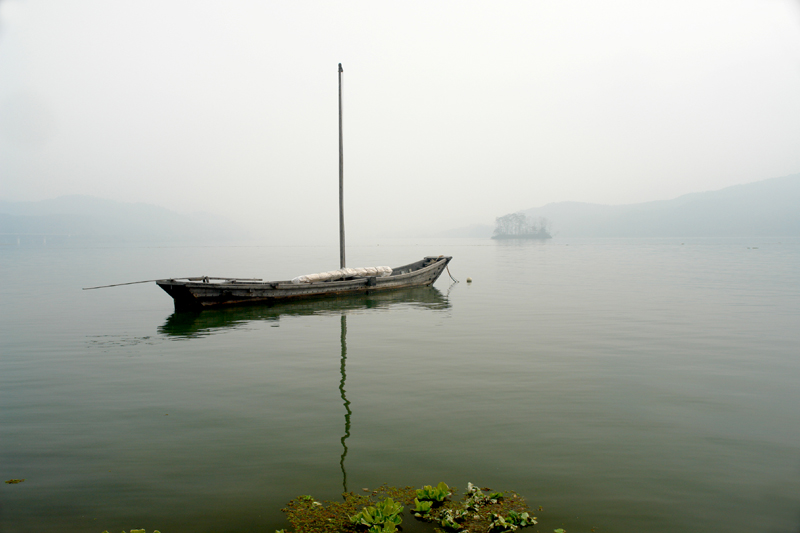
(202, 293)
(209, 292)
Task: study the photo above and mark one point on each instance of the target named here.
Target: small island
(519, 226)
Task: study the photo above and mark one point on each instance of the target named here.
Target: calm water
(623, 385)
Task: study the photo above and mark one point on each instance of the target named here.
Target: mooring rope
(449, 274)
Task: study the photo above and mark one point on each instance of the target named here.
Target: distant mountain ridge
(769, 207)
(88, 216)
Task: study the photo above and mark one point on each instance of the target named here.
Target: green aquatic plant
(451, 517)
(388, 527)
(448, 523)
(434, 494)
(380, 511)
(496, 512)
(475, 498)
(383, 517)
(511, 522)
(422, 506)
(306, 515)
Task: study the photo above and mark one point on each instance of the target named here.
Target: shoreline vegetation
(521, 226)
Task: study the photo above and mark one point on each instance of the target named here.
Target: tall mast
(341, 177)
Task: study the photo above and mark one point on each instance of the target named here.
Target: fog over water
(455, 112)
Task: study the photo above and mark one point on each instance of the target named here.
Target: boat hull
(193, 295)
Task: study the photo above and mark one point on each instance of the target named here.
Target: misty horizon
(462, 111)
(763, 208)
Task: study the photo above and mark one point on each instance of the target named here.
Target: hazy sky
(455, 112)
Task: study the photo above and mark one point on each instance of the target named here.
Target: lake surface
(625, 385)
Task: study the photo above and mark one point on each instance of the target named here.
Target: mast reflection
(348, 412)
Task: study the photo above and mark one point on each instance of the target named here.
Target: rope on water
(449, 274)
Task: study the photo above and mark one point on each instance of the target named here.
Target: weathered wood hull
(193, 295)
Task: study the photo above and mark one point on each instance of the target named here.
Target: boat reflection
(193, 324)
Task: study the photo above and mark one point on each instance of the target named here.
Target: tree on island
(519, 226)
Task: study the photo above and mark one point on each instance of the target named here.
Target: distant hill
(764, 208)
(90, 217)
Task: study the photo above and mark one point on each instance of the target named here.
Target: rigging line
(196, 278)
(119, 284)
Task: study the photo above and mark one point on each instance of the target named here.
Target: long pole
(341, 177)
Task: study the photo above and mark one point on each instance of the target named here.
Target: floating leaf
(436, 494)
(422, 506)
(381, 518)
